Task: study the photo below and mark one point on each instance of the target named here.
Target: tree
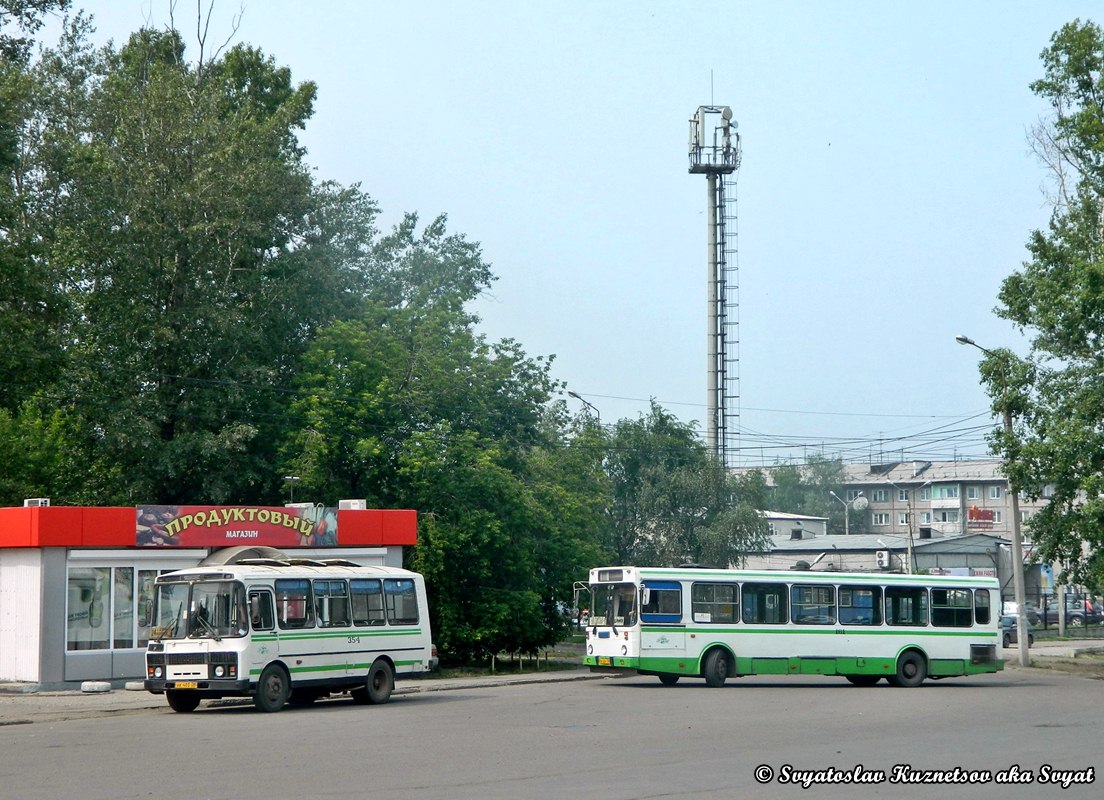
(27, 17)
(408, 406)
(1056, 395)
(673, 503)
(807, 489)
(196, 255)
(30, 308)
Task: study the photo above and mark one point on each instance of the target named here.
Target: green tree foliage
(407, 405)
(29, 302)
(807, 489)
(192, 317)
(19, 21)
(195, 253)
(1056, 396)
(672, 503)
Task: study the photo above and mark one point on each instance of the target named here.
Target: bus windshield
(614, 604)
(207, 609)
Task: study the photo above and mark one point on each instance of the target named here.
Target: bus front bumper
(614, 663)
(206, 688)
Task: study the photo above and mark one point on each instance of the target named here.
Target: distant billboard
(980, 518)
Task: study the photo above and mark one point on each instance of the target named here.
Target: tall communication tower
(715, 152)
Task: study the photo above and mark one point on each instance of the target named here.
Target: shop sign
(227, 526)
(980, 518)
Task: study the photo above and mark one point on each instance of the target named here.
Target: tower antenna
(715, 152)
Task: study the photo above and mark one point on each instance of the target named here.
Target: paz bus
(287, 630)
(716, 624)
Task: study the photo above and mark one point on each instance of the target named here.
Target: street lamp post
(591, 406)
(1017, 539)
(846, 510)
(911, 520)
(291, 480)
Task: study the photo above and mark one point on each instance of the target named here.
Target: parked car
(1079, 612)
(1009, 633)
(1011, 608)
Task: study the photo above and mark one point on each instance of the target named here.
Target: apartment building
(932, 498)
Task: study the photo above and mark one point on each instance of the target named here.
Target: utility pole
(1017, 539)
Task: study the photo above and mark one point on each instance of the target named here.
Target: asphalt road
(608, 738)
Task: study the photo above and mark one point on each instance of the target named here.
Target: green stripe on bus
(814, 665)
(841, 578)
(826, 630)
(342, 633)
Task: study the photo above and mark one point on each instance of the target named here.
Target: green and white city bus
(280, 630)
(716, 624)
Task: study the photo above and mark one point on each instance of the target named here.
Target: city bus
(286, 630)
(716, 624)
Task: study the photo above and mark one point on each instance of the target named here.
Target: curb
(23, 704)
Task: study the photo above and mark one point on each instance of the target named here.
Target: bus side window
(981, 606)
(402, 601)
(332, 603)
(860, 605)
(260, 611)
(367, 594)
(765, 603)
(294, 603)
(906, 605)
(664, 602)
(950, 608)
(813, 605)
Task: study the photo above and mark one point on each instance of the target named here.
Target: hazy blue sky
(887, 186)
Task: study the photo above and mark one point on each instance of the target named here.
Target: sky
(887, 188)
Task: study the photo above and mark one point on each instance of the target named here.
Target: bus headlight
(590, 649)
(624, 650)
(220, 671)
(158, 672)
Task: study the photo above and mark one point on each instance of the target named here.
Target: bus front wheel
(669, 680)
(273, 689)
(715, 667)
(911, 670)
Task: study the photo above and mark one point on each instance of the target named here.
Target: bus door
(265, 644)
(860, 610)
(662, 627)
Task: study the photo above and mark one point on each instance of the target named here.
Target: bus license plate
(603, 661)
(186, 685)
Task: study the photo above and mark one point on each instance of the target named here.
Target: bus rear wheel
(182, 701)
(863, 680)
(273, 689)
(715, 667)
(377, 689)
(911, 670)
(669, 680)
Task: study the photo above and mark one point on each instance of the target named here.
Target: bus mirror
(645, 596)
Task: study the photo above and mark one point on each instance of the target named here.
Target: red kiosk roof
(84, 526)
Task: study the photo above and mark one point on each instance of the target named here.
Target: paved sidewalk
(20, 704)
(1070, 648)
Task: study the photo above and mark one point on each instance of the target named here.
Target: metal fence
(1084, 614)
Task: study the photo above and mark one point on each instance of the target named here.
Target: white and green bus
(716, 624)
(286, 630)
